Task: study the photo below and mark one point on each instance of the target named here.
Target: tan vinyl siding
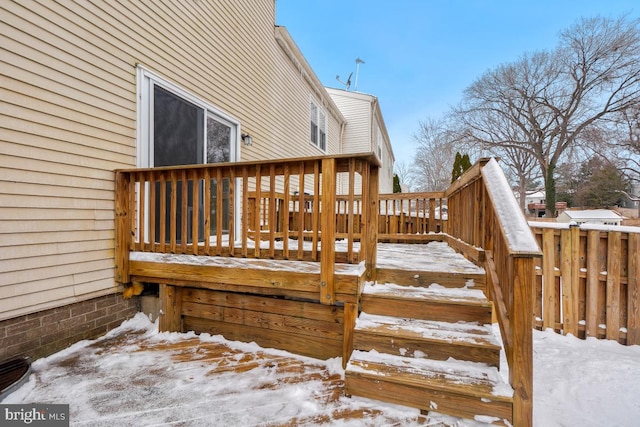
(363, 127)
(68, 120)
(356, 109)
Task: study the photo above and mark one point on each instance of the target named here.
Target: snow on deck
(460, 331)
(458, 372)
(427, 293)
(136, 376)
(434, 256)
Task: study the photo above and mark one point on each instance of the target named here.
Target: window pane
(218, 141)
(178, 134)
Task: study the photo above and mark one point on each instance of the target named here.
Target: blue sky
(420, 55)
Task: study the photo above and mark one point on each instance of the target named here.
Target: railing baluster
(207, 211)
(152, 211)
(219, 210)
(232, 210)
(301, 211)
(184, 217)
(286, 212)
(350, 203)
(195, 220)
(173, 209)
(142, 185)
(245, 209)
(272, 210)
(257, 212)
(316, 208)
(163, 212)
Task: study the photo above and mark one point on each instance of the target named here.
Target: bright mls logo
(34, 415)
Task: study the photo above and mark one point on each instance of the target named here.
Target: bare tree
(403, 170)
(628, 142)
(546, 103)
(435, 154)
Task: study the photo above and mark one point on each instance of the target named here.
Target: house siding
(364, 124)
(68, 119)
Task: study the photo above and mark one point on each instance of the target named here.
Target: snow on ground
(576, 383)
(585, 382)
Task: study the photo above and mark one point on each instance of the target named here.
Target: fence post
(122, 227)
(633, 289)
(570, 243)
(521, 372)
(328, 234)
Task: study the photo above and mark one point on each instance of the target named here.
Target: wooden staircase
(429, 346)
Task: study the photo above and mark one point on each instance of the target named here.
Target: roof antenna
(347, 83)
(358, 62)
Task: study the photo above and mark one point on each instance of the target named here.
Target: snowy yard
(119, 380)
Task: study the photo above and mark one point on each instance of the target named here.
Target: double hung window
(318, 130)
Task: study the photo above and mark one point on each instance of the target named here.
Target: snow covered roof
(593, 214)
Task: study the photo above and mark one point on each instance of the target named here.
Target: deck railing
(587, 282)
(483, 213)
(279, 209)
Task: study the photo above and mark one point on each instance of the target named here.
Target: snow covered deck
(137, 376)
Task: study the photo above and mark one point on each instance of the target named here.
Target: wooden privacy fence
(207, 210)
(483, 213)
(587, 282)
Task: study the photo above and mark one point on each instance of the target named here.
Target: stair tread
(424, 258)
(434, 293)
(462, 333)
(452, 376)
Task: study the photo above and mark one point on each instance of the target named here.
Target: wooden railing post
(521, 372)
(370, 238)
(122, 227)
(328, 234)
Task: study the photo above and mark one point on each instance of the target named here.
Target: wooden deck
(167, 233)
(142, 378)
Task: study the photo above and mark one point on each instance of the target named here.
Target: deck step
(424, 278)
(461, 389)
(429, 339)
(435, 303)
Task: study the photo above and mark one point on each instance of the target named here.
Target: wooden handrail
(483, 213)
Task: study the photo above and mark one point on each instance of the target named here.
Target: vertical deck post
(370, 239)
(122, 227)
(521, 372)
(171, 305)
(349, 319)
(328, 234)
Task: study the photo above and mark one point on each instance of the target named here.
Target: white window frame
(317, 117)
(146, 80)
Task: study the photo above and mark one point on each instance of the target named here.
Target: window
(176, 127)
(318, 130)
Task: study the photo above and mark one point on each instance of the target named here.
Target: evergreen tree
(396, 184)
(457, 168)
(460, 166)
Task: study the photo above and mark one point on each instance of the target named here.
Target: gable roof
(593, 214)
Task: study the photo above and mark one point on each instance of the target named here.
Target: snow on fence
(587, 282)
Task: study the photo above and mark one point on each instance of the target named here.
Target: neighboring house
(595, 216)
(365, 131)
(535, 204)
(91, 87)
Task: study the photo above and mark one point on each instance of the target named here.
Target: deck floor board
(142, 377)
